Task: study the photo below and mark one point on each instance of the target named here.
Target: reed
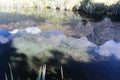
(11, 73)
(62, 75)
(42, 72)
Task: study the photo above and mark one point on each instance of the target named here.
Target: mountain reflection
(87, 50)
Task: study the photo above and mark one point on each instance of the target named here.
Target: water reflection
(4, 33)
(84, 51)
(110, 48)
(55, 38)
(104, 31)
(88, 50)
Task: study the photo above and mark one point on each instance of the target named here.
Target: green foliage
(86, 0)
(93, 8)
(115, 9)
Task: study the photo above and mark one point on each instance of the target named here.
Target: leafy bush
(115, 9)
(93, 8)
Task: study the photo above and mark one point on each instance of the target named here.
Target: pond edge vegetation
(93, 8)
(41, 73)
(88, 6)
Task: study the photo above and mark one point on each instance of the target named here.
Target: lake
(64, 45)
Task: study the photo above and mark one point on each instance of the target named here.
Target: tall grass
(42, 72)
(11, 73)
(62, 75)
(41, 75)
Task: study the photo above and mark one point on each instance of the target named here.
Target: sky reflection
(54, 38)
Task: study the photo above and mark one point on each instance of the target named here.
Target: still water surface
(87, 47)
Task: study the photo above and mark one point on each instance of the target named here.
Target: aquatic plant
(42, 73)
(11, 73)
(62, 76)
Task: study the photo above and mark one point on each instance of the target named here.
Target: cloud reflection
(110, 48)
(80, 49)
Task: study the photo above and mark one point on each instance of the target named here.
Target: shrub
(93, 8)
(115, 9)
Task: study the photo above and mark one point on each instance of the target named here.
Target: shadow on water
(54, 66)
(95, 18)
(18, 61)
(115, 18)
(100, 68)
(98, 18)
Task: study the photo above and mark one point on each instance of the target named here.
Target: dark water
(91, 44)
